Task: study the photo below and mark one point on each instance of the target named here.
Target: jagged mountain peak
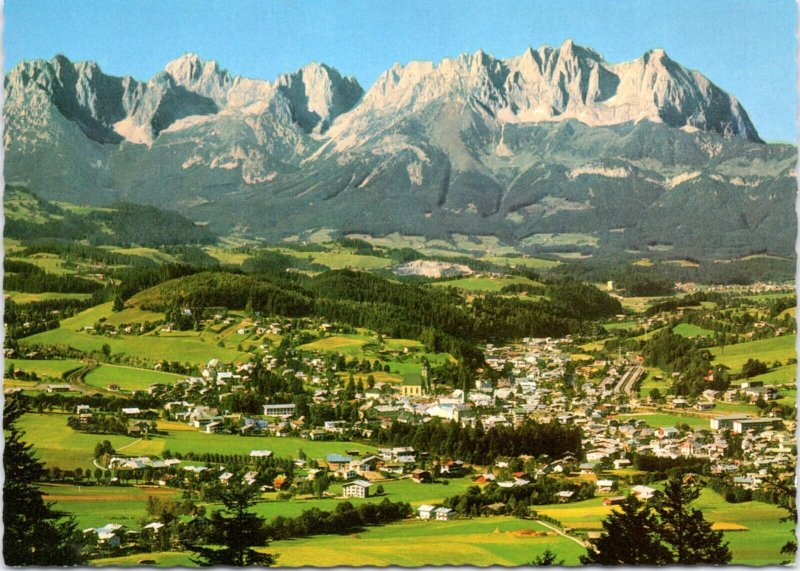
(552, 84)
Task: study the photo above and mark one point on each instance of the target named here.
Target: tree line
(479, 446)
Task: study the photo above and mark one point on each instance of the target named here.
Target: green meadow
(690, 330)
(617, 325)
(57, 445)
(22, 297)
(766, 350)
(95, 506)
(42, 368)
(128, 378)
(185, 441)
(657, 420)
(485, 283)
(778, 375)
(196, 347)
(483, 542)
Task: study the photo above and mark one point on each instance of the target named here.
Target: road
(627, 383)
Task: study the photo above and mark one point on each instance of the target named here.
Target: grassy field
(767, 350)
(639, 304)
(184, 441)
(617, 325)
(504, 541)
(151, 253)
(340, 259)
(162, 559)
(185, 347)
(512, 261)
(483, 542)
(95, 506)
(58, 445)
(345, 344)
(50, 263)
(21, 297)
(690, 330)
(42, 368)
(657, 420)
(650, 381)
(477, 542)
(128, 378)
(227, 256)
(477, 284)
(779, 375)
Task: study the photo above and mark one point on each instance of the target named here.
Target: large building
(723, 422)
(284, 410)
(755, 424)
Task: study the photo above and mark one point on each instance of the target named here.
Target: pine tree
(234, 531)
(685, 529)
(630, 537)
(34, 533)
(547, 558)
(666, 531)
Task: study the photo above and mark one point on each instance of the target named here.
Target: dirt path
(559, 532)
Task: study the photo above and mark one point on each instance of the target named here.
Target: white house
(357, 489)
(444, 514)
(425, 511)
(642, 492)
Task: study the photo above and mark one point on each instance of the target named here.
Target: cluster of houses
(531, 384)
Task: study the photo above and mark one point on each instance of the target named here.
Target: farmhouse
(58, 388)
(338, 462)
(425, 511)
(421, 476)
(357, 489)
(444, 514)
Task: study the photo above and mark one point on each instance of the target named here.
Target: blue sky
(745, 46)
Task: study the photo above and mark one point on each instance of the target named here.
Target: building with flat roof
(284, 410)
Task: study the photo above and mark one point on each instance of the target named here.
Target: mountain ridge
(555, 140)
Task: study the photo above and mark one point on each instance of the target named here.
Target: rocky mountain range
(641, 156)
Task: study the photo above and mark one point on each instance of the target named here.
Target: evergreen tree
(34, 533)
(234, 531)
(667, 531)
(685, 529)
(630, 537)
(547, 558)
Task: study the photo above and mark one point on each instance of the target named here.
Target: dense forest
(479, 446)
(29, 217)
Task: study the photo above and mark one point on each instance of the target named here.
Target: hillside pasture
(766, 350)
(185, 441)
(22, 297)
(128, 378)
(58, 445)
(95, 506)
(483, 542)
(691, 330)
(45, 368)
(485, 283)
